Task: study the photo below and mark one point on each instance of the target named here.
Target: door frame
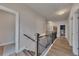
(77, 12)
(17, 27)
(75, 31)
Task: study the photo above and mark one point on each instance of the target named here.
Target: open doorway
(62, 30)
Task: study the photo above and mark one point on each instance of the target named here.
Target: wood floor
(60, 48)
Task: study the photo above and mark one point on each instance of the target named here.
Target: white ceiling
(49, 10)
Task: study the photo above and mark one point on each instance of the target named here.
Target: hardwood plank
(60, 48)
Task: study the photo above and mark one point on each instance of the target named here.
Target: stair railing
(37, 41)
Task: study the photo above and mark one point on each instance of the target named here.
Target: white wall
(74, 37)
(62, 22)
(50, 25)
(75, 34)
(58, 23)
(70, 32)
(7, 28)
(9, 49)
(30, 23)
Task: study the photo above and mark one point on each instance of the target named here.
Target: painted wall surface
(70, 32)
(64, 22)
(30, 23)
(75, 34)
(74, 37)
(50, 25)
(7, 28)
(9, 49)
(58, 23)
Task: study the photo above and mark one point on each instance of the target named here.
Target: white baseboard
(8, 50)
(49, 48)
(21, 49)
(7, 43)
(70, 44)
(8, 54)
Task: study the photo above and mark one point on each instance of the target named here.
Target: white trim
(23, 49)
(7, 43)
(9, 53)
(50, 47)
(17, 33)
(70, 43)
(45, 50)
(16, 26)
(7, 9)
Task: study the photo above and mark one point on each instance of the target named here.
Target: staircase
(28, 52)
(24, 53)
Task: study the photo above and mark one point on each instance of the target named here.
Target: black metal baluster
(37, 43)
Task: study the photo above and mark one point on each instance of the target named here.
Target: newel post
(37, 44)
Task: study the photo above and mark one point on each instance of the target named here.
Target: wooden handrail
(37, 41)
(43, 36)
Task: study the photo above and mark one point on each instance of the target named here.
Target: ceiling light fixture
(61, 12)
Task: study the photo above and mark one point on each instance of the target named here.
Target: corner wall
(73, 39)
(63, 22)
(30, 23)
(58, 23)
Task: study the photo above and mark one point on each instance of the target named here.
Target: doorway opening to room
(62, 30)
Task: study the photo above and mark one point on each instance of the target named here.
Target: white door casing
(17, 33)
(75, 33)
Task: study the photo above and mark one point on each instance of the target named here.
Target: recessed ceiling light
(61, 12)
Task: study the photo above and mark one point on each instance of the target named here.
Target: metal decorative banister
(42, 42)
(33, 40)
(37, 42)
(45, 40)
(29, 37)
